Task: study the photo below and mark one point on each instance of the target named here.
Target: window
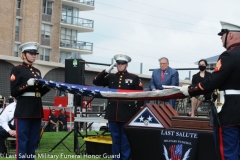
(45, 54)
(47, 7)
(18, 4)
(17, 29)
(70, 14)
(46, 31)
(16, 46)
(68, 37)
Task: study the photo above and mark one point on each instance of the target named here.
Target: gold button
(32, 72)
(119, 86)
(31, 69)
(36, 88)
(119, 81)
(129, 104)
(120, 78)
(109, 103)
(35, 75)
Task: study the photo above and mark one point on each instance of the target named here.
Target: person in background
(118, 113)
(62, 119)
(53, 120)
(10, 99)
(7, 126)
(29, 110)
(199, 77)
(164, 75)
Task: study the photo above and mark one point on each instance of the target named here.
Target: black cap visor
(31, 51)
(223, 31)
(121, 62)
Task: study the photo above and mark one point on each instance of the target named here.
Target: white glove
(108, 70)
(183, 89)
(31, 81)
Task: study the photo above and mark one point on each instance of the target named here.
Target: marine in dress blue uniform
(226, 78)
(29, 110)
(120, 112)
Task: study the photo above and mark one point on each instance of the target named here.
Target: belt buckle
(37, 94)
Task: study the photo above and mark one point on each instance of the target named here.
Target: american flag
(176, 151)
(118, 94)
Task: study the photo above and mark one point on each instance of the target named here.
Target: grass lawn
(50, 139)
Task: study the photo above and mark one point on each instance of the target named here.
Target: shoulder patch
(218, 66)
(12, 78)
(140, 84)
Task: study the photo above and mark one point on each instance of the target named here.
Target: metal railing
(88, 2)
(76, 44)
(77, 21)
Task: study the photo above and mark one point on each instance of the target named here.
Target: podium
(158, 132)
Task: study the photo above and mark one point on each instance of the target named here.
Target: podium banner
(179, 145)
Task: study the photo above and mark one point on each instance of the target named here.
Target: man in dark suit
(120, 112)
(164, 75)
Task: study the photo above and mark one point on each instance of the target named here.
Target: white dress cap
(31, 47)
(122, 57)
(226, 27)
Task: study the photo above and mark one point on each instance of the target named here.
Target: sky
(183, 31)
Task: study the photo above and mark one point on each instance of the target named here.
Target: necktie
(162, 76)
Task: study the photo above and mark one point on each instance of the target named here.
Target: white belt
(32, 94)
(232, 91)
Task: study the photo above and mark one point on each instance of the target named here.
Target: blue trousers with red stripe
(28, 134)
(229, 142)
(120, 144)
